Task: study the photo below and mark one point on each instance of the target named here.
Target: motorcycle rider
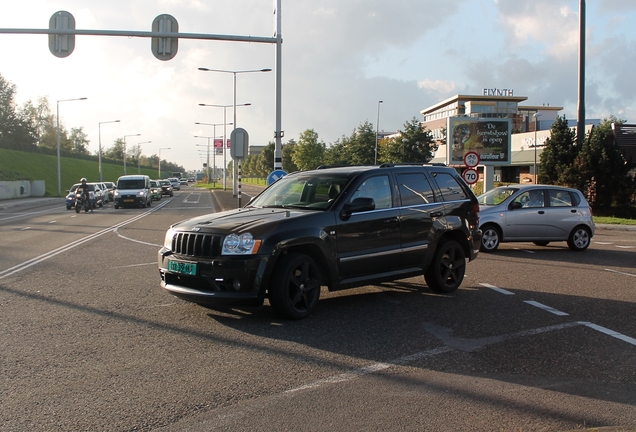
(83, 189)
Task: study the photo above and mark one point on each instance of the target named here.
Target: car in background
(535, 213)
(183, 182)
(133, 190)
(111, 190)
(176, 184)
(166, 187)
(105, 193)
(155, 190)
(99, 194)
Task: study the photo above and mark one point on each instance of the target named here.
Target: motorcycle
(82, 202)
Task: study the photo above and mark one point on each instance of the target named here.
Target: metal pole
(224, 150)
(57, 129)
(234, 180)
(278, 147)
(377, 127)
(580, 123)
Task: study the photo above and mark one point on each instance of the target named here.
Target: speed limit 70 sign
(470, 176)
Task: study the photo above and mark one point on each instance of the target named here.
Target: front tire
(295, 289)
(490, 239)
(579, 239)
(446, 272)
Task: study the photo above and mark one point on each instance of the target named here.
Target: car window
(377, 188)
(560, 198)
(530, 199)
(415, 189)
(131, 184)
(450, 187)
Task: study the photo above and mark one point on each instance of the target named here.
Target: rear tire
(446, 272)
(579, 239)
(295, 289)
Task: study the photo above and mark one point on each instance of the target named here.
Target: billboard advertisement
(489, 138)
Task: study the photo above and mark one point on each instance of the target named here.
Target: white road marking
(198, 198)
(625, 247)
(52, 222)
(545, 308)
(25, 228)
(499, 290)
(609, 332)
(619, 272)
(45, 256)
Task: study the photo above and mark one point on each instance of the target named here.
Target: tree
(289, 150)
(601, 169)
(310, 152)
(358, 149)
(16, 132)
(79, 141)
(414, 144)
(558, 155)
(116, 152)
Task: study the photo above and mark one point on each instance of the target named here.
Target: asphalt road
(537, 339)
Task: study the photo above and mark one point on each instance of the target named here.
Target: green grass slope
(17, 165)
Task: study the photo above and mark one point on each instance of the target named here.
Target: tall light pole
(225, 138)
(580, 121)
(139, 155)
(536, 144)
(222, 147)
(234, 73)
(125, 151)
(99, 127)
(162, 148)
(208, 162)
(57, 116)
(377, 127)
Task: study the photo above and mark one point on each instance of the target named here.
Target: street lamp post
(225, 136)
(208, 157)
(99, 127)
(234, 72)
(536, 176)
(162, 148)
(139, 155)
(125, 150)
(377, 127)
(57, 116)
(214, 125)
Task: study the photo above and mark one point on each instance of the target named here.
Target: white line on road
(609, 332)
(619, 272)
(499, 290)
(545, 308)
(25, 228)
(61, 249)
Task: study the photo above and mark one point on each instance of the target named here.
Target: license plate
(129, 200)
(181, 267)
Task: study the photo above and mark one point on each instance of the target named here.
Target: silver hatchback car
(537, 213)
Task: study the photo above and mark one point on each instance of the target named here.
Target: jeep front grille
(196, 244)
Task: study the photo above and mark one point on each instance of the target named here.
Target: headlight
(167, 241)
(243, 244)
(116, 193)
(141, 193)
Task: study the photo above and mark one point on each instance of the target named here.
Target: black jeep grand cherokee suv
(337, 227)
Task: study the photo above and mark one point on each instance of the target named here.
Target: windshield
(131, 184)
(309, 191)
(496, 196)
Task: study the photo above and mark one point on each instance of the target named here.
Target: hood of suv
(244, 219)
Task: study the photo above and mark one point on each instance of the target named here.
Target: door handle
(392, 220)
(541, 212)
(437, 214)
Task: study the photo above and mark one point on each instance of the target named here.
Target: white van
(133, 190)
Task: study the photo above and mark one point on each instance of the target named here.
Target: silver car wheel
(490, 239)
(579, 239)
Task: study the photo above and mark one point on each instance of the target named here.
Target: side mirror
(515, 205)
(356, 206)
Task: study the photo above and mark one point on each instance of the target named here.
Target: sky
(339, 58)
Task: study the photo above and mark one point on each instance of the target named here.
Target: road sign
(470, 176)
(471, 159)
(275, 175)
(61, 45)
(239, 140)
(165, 48)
